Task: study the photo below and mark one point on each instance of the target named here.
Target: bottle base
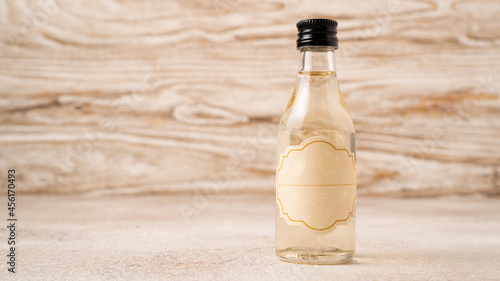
(315, 256)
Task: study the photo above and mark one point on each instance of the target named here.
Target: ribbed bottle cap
(317, 32)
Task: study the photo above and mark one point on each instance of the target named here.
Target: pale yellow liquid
(315, 109)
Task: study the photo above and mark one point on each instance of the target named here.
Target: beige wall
(160, 96)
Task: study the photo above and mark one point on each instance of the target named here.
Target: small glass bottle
(316, 173)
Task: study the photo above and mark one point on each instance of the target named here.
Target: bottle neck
(317, 90)
(317, 59)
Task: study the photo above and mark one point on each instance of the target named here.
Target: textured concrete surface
(231, 237)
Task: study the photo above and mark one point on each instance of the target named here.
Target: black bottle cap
(317, 32)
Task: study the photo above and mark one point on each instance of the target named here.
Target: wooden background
(125, 96)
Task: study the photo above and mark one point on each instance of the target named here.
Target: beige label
(316, 184)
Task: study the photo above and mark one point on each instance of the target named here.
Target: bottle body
(316, 178)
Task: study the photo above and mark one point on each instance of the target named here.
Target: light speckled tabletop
(231, 237)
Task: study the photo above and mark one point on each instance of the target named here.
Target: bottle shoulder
(316, 104)
(335, 118)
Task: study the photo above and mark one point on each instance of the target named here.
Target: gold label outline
(283, 156)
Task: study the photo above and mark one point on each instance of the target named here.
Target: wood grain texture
(184, 96)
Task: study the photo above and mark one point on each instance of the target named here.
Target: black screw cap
(317, 32)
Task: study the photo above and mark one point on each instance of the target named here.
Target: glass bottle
(316, 173)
